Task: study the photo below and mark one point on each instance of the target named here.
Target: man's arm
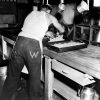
(55, 22)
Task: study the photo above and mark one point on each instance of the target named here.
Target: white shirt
(35, 26)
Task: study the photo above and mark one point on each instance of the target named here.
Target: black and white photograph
(49, 49)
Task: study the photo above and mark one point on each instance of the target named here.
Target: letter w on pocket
(34, 54)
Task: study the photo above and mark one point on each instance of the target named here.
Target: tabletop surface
(86, 60)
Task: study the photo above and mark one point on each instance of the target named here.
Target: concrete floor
(22, 95)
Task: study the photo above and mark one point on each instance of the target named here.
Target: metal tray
(77, 45)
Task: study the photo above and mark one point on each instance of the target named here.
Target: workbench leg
(49, 79)
(4, 48)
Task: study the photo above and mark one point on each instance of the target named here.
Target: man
(27, 51)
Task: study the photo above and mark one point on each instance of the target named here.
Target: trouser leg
(33, 63)
(13, 74)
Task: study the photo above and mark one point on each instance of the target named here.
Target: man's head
(61, 6)
(46, 8)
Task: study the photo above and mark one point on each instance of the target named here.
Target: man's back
(35, 24)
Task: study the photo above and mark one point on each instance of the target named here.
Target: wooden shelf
(65, 90)
(82, 25)
(90, 34)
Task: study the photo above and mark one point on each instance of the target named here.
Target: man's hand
(50, 34)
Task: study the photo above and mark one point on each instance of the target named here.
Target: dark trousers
(25, 52)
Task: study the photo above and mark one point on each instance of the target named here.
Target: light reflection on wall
(96, 3)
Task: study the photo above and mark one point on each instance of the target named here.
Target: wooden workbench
(75, 65)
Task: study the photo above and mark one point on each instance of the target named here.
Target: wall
(22, 1)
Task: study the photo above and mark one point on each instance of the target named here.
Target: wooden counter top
(86, 60)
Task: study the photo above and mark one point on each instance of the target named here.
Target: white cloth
(82, 7)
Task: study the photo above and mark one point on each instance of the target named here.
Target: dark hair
(47, 7)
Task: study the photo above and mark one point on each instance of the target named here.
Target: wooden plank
(49, 79)
(77, 76)
(9, 41)
(65, 90)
